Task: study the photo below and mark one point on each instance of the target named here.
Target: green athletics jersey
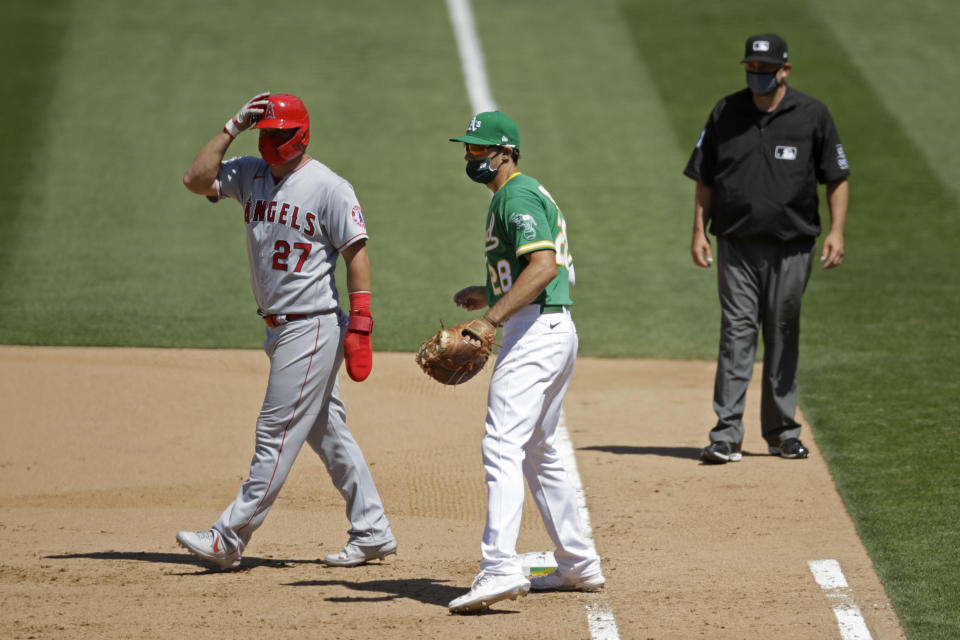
(523, 218)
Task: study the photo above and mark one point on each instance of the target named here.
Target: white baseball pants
(531, 376)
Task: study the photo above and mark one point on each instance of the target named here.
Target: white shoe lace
(482, 578)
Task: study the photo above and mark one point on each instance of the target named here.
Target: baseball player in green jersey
(529, 275)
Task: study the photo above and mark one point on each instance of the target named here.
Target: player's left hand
(357, 346)
(832, 254)
(455, 355)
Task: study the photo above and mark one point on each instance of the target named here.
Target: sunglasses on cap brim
(479, 149)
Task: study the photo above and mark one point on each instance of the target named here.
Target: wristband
(360, 302)
(492, 323)
(231, 129)
(360, 324)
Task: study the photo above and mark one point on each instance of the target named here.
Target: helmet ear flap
(295, 145)
(303, 138)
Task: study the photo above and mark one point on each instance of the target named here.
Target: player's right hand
(248, 114)
(471, 298)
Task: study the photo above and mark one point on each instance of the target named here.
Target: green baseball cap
(492, 128)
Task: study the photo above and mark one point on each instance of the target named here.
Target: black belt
(551, 308)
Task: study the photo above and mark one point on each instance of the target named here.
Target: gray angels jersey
(295, 231)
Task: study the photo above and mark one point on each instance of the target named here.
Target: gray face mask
(762, 84)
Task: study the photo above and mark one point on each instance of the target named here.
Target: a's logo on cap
(761, 45)
(474, 125)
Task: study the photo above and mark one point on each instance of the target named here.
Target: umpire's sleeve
(832, 161)
(700, 165)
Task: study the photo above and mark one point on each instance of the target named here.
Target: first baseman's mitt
(457, 354)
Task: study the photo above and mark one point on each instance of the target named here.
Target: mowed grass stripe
(908, 50)
(119, 253)
(595, 132)
(108, 257)
(879, 335)
(31, 38)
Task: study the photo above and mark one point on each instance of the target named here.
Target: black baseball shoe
(721, 452)
(790, 448)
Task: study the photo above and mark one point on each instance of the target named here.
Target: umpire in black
(757, 166)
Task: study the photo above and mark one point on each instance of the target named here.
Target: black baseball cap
(767, 47)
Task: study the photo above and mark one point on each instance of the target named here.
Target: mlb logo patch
(785, 153)
(761, 45)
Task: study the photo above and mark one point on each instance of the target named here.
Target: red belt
(277, 320)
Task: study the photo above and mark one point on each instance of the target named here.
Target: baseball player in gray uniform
(299, 217)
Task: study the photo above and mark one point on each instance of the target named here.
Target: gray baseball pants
(302, 404)
(760, 284)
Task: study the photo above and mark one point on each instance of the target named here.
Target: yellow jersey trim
(536, 246)
(518, 173)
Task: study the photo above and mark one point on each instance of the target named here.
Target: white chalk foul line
(471, 56)
(600, 618)
(599, 614)
(850, 620)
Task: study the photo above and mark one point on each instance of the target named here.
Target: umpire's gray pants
(761, 284)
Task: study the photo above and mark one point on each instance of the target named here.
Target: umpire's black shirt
(763, 168)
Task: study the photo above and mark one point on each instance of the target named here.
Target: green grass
(106, 103)
(117, 252)
(26, 86)
(909, 52)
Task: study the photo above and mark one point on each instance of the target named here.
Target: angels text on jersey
(280, 213)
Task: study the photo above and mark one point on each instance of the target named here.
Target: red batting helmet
(286, 111)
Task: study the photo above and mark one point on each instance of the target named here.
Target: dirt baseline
(107, 453)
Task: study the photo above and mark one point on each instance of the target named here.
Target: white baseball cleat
(354, 554)
(556, 581)
(488, 588)
(209, 546)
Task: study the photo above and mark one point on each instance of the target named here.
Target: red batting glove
(357, 349)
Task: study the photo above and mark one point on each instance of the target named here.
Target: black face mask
(762, 84)
(481, 171)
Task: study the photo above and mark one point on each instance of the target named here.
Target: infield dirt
(107, 453)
